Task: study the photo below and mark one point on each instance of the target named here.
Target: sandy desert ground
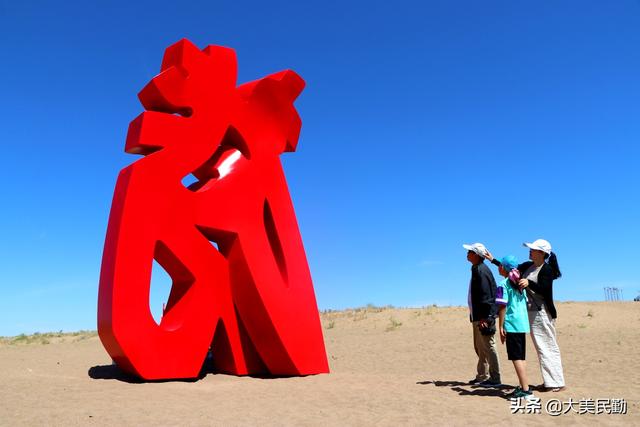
(388, 367)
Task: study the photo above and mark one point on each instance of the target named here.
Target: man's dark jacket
(483, 293)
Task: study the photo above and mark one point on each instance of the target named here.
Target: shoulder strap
(532, 299)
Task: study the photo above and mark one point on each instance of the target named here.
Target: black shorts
(516, 345)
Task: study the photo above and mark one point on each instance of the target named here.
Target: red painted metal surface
(229, 240)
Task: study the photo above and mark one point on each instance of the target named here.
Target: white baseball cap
(478, 248)
(540, 245)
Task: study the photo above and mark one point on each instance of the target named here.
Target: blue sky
(426, 125)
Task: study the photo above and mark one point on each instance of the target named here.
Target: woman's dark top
(544, 285)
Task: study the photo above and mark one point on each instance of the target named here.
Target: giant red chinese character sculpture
(229, 240)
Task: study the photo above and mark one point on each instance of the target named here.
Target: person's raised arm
(492, 260)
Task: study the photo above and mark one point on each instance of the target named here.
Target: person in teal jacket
(513, 322)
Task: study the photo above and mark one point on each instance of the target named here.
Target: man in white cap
(483, 309)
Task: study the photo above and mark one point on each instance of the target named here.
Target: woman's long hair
(555, 268)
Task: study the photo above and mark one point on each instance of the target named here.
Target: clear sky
(426, 125)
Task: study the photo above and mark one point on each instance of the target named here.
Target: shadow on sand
(113, 372)
(471, 390)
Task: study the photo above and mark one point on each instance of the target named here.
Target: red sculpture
(229, 241)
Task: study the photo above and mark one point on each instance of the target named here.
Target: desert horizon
(388, 365)
(45, 335)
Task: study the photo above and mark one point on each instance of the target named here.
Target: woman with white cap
(537, 277)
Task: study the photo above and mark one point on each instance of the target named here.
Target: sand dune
(389, 367)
